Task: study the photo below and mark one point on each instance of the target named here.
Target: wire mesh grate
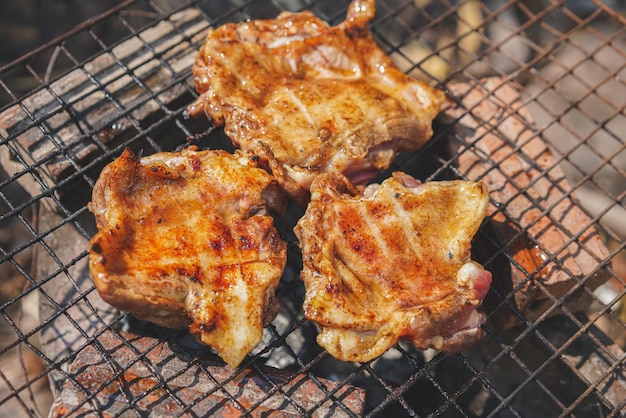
(536, 109)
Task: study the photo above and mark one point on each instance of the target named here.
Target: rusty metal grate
(536, 109)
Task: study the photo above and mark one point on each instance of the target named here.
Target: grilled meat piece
(311, 98)
(391, 263)
(185, 239)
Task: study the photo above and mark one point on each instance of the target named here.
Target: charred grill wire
(535, 109)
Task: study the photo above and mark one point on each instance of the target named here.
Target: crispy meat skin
(184, 239)
(312, 98)
(392, 263)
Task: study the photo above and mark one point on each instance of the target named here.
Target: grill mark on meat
(373, 230)
(295, 100)
(407, 227)
(247, 243)
(283, 40)
(236, 72)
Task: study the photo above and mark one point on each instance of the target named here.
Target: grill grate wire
(122, 80)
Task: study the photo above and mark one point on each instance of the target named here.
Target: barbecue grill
(536, 109)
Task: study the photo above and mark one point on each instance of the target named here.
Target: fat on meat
(392, 262)
(312, 98)
(185, 239)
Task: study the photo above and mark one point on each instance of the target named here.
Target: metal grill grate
(536, 109)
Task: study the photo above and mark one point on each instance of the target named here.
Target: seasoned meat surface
(311, 98)
(185, 239)
(392, 262)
